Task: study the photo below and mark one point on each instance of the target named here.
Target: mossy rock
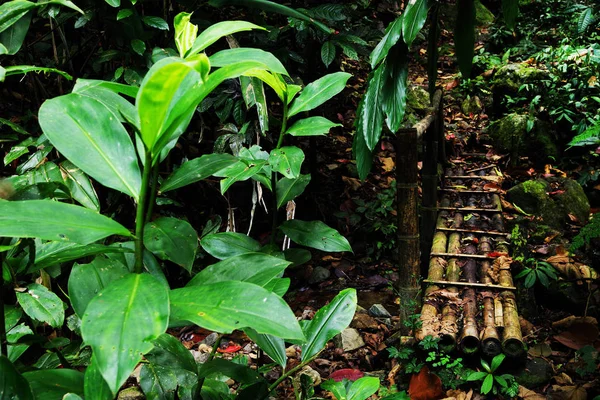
(512, 76)
(483, 16)
(536, 372)
(471, 105)
(530, 196)
(509, 134)
(417, 98)
(573, 200)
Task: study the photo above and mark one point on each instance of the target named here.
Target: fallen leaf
(568, 393)
(540, 350)
(425, 386)
(387, 163)
(527, 394)
(563, 379)
(231, 348)
(346, 373)
(578, 335)
(354, 183)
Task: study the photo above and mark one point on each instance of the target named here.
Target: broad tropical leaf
(12, 38)
(217, 31)
(227, 306)
(42, 305)
(197, 169)
(391, 37)
(131, 312)
(12, 11)
(12, 384)
(79, 185)
(172, 239)
(394, 85)
(287, 161)
(312, 126)
(363, 388)
(360, 151)
(510, 11)
(327, 53)
(370, 116)
(228, 244)
(288, 189)
(272, 345)
(185, 33)
(52, 253)
(62, 222)
(414, 18)
(232, 56)
(94, 385)
(54, 383)
(318, 92)
(256, 268)
(328, 322)
(464, 36)
(315, 234)
(74, 122)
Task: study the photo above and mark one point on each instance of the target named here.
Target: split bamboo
(490, 339)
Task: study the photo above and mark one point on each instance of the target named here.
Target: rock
(533, 197)
(131, 393)
(509, 134)
(314, 376)
(349, 340)
(379, 311)
(319, 274)
(483, 16)
(199, 356)
(535, 373)
(364, 321)
(471, 105)
(417, 98)
(509, 79)
(210, 339)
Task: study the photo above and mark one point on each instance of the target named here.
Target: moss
(483, 16)
(573, 201)
(508, 132)
(417, 98)
(530, 196)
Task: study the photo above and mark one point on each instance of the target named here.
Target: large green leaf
(12, 11)
(228, 244)
(272, 345)
(13, 37)
(24, 69)
(240, 171)
(51, 220)
(370, 115)
(360, 151)
(53, 384)
(87, 280)
(15, 349)
(197, 169)
(165, 95)
(121, 108)
(327, 52)
(510, 12)
(273, 7)
(227, 306)
(318, 92)
(464, 36)
(231, 56)
(172, 239)
(393, 34)
(328, 322)
(86, 84)
(94, 385)
(74, 122)
(12, 384)
(363, 388)
(52, 253)
(121, 322)
(312, 126)
(79, 185)
(253, 91)
(185, 32)
(287, 161)
(157, 382)
(256, 268)
(394, 85)
(288, 189)
(217, 31)
(414, 18)
(315, 234)
(42, 305)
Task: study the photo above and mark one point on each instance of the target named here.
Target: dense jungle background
(167, 165)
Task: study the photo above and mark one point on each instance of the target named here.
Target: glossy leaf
(53, 384)
(327, 53)
(318, 92)
(391, 37)
(510, 12)
(220, 366)
(12, 11)
(87, 280)
(273, 7)
(130, 313)
(94, 385)
(227, 306)
(12, 384)
(287, 161)
(124, 13)
(121, 108)
(312, 126)
(12, 315)
(464, 36)
(197, 169)
(172, 239)
(273, 346)
(138, 46)
(279, 286)
(315, 234)
(74, 122)
(156, 22)
(360, 151)
(363, 388)
(256, 268)
(165, 95)
(217, 31)
(240, 171)
(185, 33)
(80, 186)
(12, 38)
(42, 305)
(393, 87)
(62, 222)
(88, 84)
(231, 56)
(228, 244)
(414, 18)
(328, 322)
(15, 349)
(52, 253)
(288, 189)
(370, 116)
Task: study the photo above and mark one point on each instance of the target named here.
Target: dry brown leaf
(527, 394)
(387, 163)
(579, 335)
(570, 320)
(563, 379)
(568, 393)
(540, 350)
(425, 386)
(354, 183)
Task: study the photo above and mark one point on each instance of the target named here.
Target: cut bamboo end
(513, 347)
(469, 343)
(491, 347)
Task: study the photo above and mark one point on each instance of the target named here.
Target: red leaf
(232, 348)
(346, 373)
(425, 386)
(496, 254)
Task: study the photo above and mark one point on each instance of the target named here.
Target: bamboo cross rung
(461, 255)
(470, 284)
(492, 233)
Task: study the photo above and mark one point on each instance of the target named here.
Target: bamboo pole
(469, 340)
(429, 179)
(490, 339)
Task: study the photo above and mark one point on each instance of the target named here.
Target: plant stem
(153, 193)
(284, 121)
(140, 215)
(3, 343)
(290, 372)
(210, 357)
